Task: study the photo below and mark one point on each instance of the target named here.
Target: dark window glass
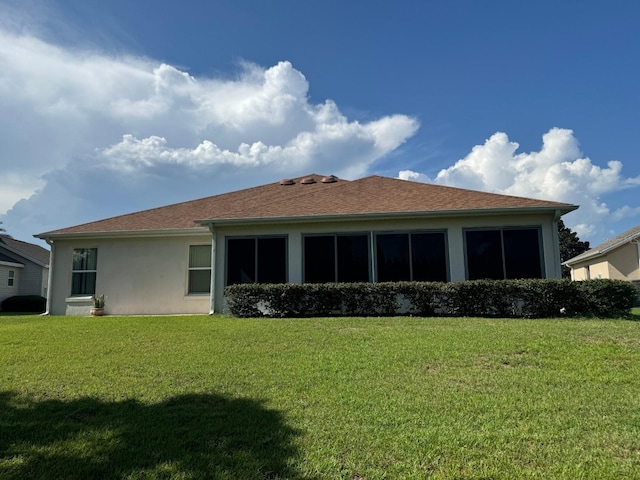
(522, 253)
(83, 275)
(429, 257)
(85, 259)
(392, 255)
(353, 258)
(319, 259)
(199, 281)
(272, 260)
(261, 260)
(83, 283)
(484, 254)
(241, 260)
(507, 253)
(336, 258)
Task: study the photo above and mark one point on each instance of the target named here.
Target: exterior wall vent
(287, 181)
(308, 181)
(329, 179)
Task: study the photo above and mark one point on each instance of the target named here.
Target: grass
(199, 397)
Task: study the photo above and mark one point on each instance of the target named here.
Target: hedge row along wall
(478, 298)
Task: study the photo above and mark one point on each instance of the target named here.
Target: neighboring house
(179, 258)
(618, 259)
(24, 268)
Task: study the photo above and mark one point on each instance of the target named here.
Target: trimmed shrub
(477, 298)
(24, 304)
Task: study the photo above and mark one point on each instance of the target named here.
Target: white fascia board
(383, 216)
(172, 232)
(11, 264)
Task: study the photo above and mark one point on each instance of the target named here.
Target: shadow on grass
(189, 436)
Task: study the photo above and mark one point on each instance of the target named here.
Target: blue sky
(108, 107)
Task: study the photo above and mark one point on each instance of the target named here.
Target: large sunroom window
(505, 253)
(256, 260)
(84, 270)
(336, 258)
(199, 269)
(419, 256)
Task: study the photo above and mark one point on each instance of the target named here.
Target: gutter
(50, 276)
(385, 215)
(169, 232)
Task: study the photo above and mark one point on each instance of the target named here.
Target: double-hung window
(84, 270)
(256, 260)
(199, 269)
(11, 279)
(419, 256)
(336, 258)
(505, 253)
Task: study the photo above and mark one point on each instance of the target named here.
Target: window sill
(79, 299)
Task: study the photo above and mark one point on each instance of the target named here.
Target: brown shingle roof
(622, 239)
(27, 250)
(369, 195)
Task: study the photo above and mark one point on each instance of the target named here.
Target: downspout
(50, 276)
(556, 243)
(212, 295)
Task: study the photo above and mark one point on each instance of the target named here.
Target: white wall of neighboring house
(148, 275)
(9, 288)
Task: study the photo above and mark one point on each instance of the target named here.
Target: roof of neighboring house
(606, 247)
(32, 252)
(314, 196)
(8, 259)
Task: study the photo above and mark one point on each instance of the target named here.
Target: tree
(570, 246)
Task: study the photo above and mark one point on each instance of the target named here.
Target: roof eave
(11, 264)
(25, 256)
(600, 253)
(386, 215)
(171, 232)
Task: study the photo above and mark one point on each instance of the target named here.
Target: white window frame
(11, 278)
(84, 271)
(190, 268)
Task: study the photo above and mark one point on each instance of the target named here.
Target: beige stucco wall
(148, 275)
(137, 275)
(624, 263)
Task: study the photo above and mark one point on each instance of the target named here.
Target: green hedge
(478, 298)
(24, 303)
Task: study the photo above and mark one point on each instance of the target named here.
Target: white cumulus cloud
(558, 171)
(147, 133)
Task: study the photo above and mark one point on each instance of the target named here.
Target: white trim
(169, 232)
(11, 264)
(79, 299)
(482, 212)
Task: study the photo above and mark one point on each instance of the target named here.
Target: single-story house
(24, 268)
(179, 258)
(617, 258)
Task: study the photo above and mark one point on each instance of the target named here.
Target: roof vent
(308, 181)
(287, 181)
(329, 179)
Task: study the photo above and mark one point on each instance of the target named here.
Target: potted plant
(98, 305)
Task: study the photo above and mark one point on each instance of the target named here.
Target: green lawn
(196, 397)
